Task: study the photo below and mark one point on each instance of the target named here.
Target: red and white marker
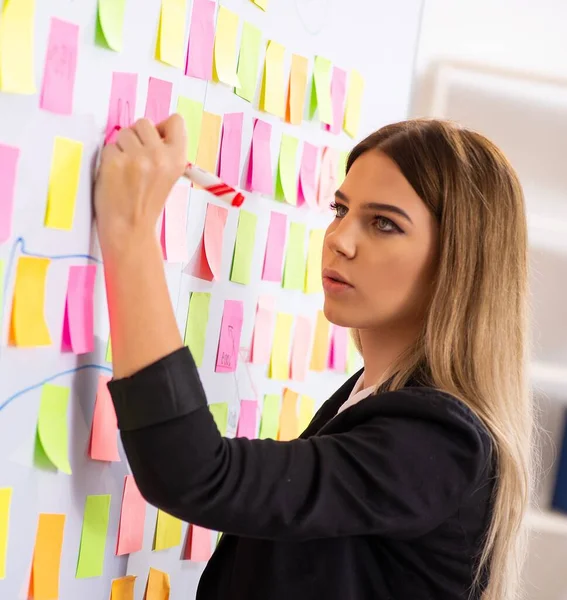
(213, 185)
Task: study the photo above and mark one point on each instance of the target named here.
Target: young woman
(412, 479)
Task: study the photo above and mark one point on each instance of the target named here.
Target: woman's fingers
(147, 133)
(128, 141)
(172, 130)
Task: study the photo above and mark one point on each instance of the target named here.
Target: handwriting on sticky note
(270, 421)
(52, 425)
(307, 187)
(9, 157)
(297, 89)
(328, 177)
(201, 40)
(174, 224)
(206, 264)
(170, 45)
(196, 326)
(110, 24)
(5, 502)
(231, 146)
(219, 410)
(294, 267)
(279, 360)
(78, 320)
(229, 339)
(337, 358)
(209, 142)
(247, 419)
(338, 95)
(17, 37)
(320, 344)
(168, 531)
(313, 280)
(224, 60)
(262, 336)
(306, 412)
(300, 348)
(353, 103)
(123, 588)
(248, 61)
(46, 563)
(321, 90)
(260, 176)
(244, 247)
(104, 429)
(272, 93)
(192, 113)
(287, 170)
(132, 518)
(93, 536)
(288, 418)
(122, 105)
(275, 245)
(198, 546)
(158, 101)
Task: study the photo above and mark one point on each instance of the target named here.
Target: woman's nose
(342, 239)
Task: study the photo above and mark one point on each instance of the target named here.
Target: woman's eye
(386, 225)
(339, 209)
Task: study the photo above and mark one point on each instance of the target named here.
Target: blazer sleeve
(399, 472)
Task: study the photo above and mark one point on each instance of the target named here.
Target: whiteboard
(378, 38)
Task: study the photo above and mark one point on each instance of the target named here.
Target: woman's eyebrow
(377, 206)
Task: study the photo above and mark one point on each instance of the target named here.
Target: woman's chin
(338, 313)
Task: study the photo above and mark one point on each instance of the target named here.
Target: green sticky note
(286, 181)
(196, 326)
(244, 247)
(294, 267)
(248, 61)
(108, 357)
(5, 501)
(2, 269)
(52, 425)
(219, 410)
(321, 90)
(270, 421)
(192, 113)
(110, 24)
(93, 536)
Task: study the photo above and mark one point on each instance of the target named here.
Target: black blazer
(387, 500)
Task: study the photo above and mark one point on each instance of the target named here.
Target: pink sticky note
(78, 322)
(132, 519)
(173, 237)
(231, 145)
(207, 261)
(229, 340)
(262, 337)
(260, 175)
(247, 419)
(338, 349)
(328, 177)
(338, 95)
(198, 546)
(60, 67)
(104, 430)
(300, 348)
(122, 106)
(307, 191)
(275, 246)
(158, 101)
(201, 40)
(9, 157)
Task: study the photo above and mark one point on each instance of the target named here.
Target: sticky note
(2, 271)
(209, 142)
(320, 344)
(272, 93)
(328, 177)
(231, 146)
(158, 101)
(286, 186)
(17, 37)
(5, 501)
(44, 580)
(275, 244)
(123, 588)
(338, 95)
(108, 355)
(229, 340)
(244, 247)
(337, 357)
(104, 429)
(294, 267)
(158, 586)
(132, 518)
(300, 348)
(9, 157)
(247, 419)
(263, 4)
(279, 360)
(248, 61)
(260, 176)
(201, 40)
(207, 261)
(168, 531)
(224, 56)
(321, 90)
(122, 105)
(353, 103)
(198, 547)
(196, 327)
(308, 181)
(174, 224)
(219, 410)
(270, 421)
(353, 357)
(306, 412)
(93, 536)
(313, 280)
(341, 166)
(192, 113)
(28, 327)
(262, 335)
(289, 426)
(297, 88)
(52, 425)
(170, 45)
(78, 320)
(63, 183)
(110, 24)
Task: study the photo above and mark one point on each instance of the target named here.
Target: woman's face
(383, 245)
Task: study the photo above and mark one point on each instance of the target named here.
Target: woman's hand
(135, 177)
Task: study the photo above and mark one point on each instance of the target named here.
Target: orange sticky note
(207, 260)
(28, 327)
(132, 518)
(297, 89)
(158, 586)
(272, 93)
(198, 547)
(104, 431)
(123, 588)
(300, 350)
(209, 142)
(321, 343)
(44, 581)
(288, 417)
(279, 360)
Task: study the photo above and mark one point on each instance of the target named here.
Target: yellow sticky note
(170, 46)
(2, 269)
(196, 326)
(353, 103)
(306, 412)
(313, 280)
(63, 183)
(286, 183)
(209, 142)
(47, 557)
(341, 166)
(17, 36)
(248, 61)
(5, 500)
(279, 359)
(321, 90)
(321, 344)
(270, 421)
(52, 425)
(272, 95)
(263, 4)
(123, 588)
(354, 361)
(192, 113)
(168, 531)
(28, 327)
(224, 63)
(108, 357)
(288, 418)
(297, 89)
(158, 586)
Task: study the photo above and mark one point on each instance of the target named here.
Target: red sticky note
(158, 102)
(307, 191)
(229, 340)
(262, 337)
(132, 519)
(201, 40)
(328, 177)
(173, 226)
(206, 263)
(198, 547)
(300, 348)
(104, 430)
(78, 322)
(122, 105)
(260, 176)
(231, 145)
(337, 359)
(247, 419)
(275, 246)
(338, 96)
(9, 157)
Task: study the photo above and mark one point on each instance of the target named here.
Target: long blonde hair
(473, 341)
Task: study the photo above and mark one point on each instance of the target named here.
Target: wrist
(124, 243)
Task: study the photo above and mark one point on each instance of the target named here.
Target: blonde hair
(473, 341)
